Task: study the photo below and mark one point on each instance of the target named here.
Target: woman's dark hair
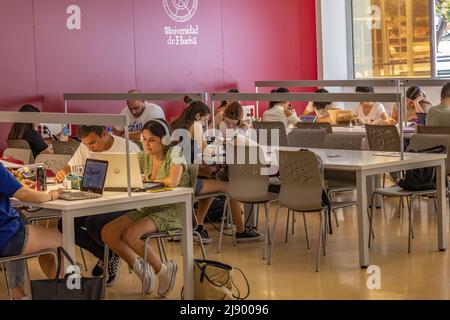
(187, 117)
(445, 92)
(234, 111)
(18, 129)
(225, 103)
(364, 89)
(188, 100)
(156, 128)
(321, 105)
(279, 90)
(413, 92)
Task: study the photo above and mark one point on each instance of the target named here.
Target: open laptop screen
(94, 176)
(311, 119)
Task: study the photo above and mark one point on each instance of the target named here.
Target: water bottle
(65, 133)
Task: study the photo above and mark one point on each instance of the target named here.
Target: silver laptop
(92, 184)
(116, 177)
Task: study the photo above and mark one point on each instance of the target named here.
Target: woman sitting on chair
(159, 162)
(17, 237)
(191, 120)
(27, 131)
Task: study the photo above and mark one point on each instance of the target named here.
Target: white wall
(333, 40)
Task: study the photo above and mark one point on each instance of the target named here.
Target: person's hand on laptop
(54, 194)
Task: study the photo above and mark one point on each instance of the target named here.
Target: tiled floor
(425, 274)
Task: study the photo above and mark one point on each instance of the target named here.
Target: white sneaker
(166, 277)
(149, 275)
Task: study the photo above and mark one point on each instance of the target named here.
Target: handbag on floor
(214, 280)
(61, 289)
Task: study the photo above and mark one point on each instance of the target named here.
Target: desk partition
(156, 96)
(327, 83)
(320, 97)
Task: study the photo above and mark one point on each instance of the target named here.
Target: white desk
(369, 163)
(407, 132)
(115, 201)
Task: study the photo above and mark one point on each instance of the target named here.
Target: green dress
(165, 217)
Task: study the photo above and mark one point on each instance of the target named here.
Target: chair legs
(322, 235)
(287, 226)
(411, 223)
(145, 264)
(320, 242)
(370, 212)
(226, 209)
(267, 240)
(202, 246)
(293, 222)
(306, 231)
(105, 268)
(269, 261)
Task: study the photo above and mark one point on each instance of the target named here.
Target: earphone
(166, 139)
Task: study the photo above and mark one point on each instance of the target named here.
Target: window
(391, 38)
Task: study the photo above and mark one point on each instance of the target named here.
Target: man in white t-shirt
(94, 139)
(281, 111)
(139, 112)
(371, 112)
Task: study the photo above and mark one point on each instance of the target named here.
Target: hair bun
(188, 100)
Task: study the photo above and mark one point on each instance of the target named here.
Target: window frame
(350, 37)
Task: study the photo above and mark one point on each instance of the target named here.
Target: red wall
(122, 45)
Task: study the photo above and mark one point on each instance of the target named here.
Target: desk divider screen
(321, 97)
(74, 118)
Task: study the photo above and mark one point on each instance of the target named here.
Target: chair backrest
(315, 125)
(53, 162)
(248, 182)
(425, 141)
(193, 173)
(65, 147)
(307, 138)
(269, 127)
(18, 144)
(301, 181)
(383, 137)
(23, 155)
(343, 141)
(433, 130)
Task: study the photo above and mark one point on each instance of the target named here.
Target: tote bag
(214, 280)
(67, 288)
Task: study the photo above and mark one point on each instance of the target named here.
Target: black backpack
(421, 178)
(215, 211)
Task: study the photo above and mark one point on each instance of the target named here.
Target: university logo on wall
(180, 10)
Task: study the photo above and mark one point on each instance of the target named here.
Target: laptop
(310, 119)
(92, 184)
(116, 177)
(422, 118)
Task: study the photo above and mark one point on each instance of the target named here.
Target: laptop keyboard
(79, 195)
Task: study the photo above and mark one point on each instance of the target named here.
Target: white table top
(356, 160)
(110, 198)
(361, 130)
